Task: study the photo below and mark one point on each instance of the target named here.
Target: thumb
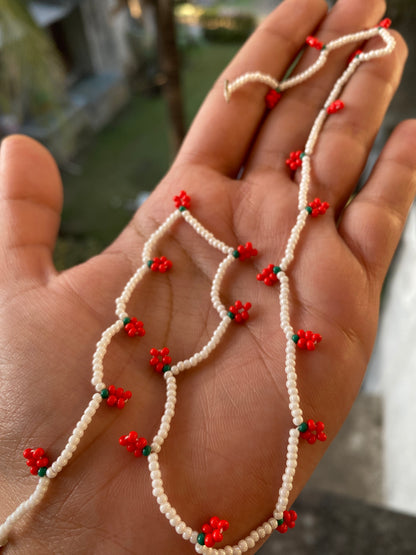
(30, 207)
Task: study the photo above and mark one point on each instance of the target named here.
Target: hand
(225, 453)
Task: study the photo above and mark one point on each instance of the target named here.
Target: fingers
(30, 207)
(372, 224)
(289, 125)
(222, 133)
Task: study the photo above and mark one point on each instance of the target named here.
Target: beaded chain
(213, 530)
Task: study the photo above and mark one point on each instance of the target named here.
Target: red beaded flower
(135, 444)
(335, 106)
(288, 521)
(160, 360)
(133, 327)
(311, 431)
(212, 531)
(243, 252)
(239, 312)
(182, 201)
(314, 42)
(307, 339)
(295, 160)
(161, 264)
(269, 275)
(37, 460)
(386, 23)
(317, 208)
(115, 397)
(272, 98)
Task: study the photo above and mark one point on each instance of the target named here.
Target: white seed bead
(194, 537)
(187, 533)
(175, 521)
(180, 528)
(255, 535)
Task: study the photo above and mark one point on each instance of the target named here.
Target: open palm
(225, 452)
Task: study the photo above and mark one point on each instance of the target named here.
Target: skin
(225, 452)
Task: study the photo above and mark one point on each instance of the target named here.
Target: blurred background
(110, 86)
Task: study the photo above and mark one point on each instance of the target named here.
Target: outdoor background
(110, 86)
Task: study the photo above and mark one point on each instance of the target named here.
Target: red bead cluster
(311, 431)
(133, 327)
(269, 275)
(336, 106)
(288, 521)
(37, 460)
(239, 312)
(160, 359)
(314, 42)
(386, 23)
(272, 98)
(135, 444)
(295, 160)
(116, 397)
(317, 208)
(182, 200)
(161, 264)
(307, 339)
(243, 252)
(212, 531)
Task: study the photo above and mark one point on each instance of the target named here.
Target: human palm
(225, 452)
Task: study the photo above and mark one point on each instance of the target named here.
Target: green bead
(126, 320)
(324, 47)
(308, 209)
(236, 254)
(277, 269)
(146, 450)
(149, 263)
(42, 471)
(302, 156)
(201, 538)
(231, 315)
(303, 427)
(295, 338)
(182, 208)
(281, 521)
(166, 368)
(105, 393)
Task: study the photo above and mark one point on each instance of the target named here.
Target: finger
(372, 224)
(288, 126)
(222, 133)
(30, 207)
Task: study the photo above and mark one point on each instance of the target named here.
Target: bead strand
(121, 302)
(100, 352)
(205, 351)
(75, 437)
(161, 230)
(249, 77)
(23, 508)
(216, 284)
(207, 235)
(305, 75)
(169, 413)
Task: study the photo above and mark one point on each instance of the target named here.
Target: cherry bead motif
(314, 43)
(272, 98)
(239, 312)
(161, 264)
(212, 531)
(182, 201)
(295, 160)
(116, 396)
(317, 208)
(307, 339)
(133, 327)
(269, 275)
(160, 360)
(37, 460)
(135, 444)
(243, 252)
(288, 521)
(335, 107)
(311, 431)
(385, 23)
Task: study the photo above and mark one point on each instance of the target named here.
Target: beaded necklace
(213, 530)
